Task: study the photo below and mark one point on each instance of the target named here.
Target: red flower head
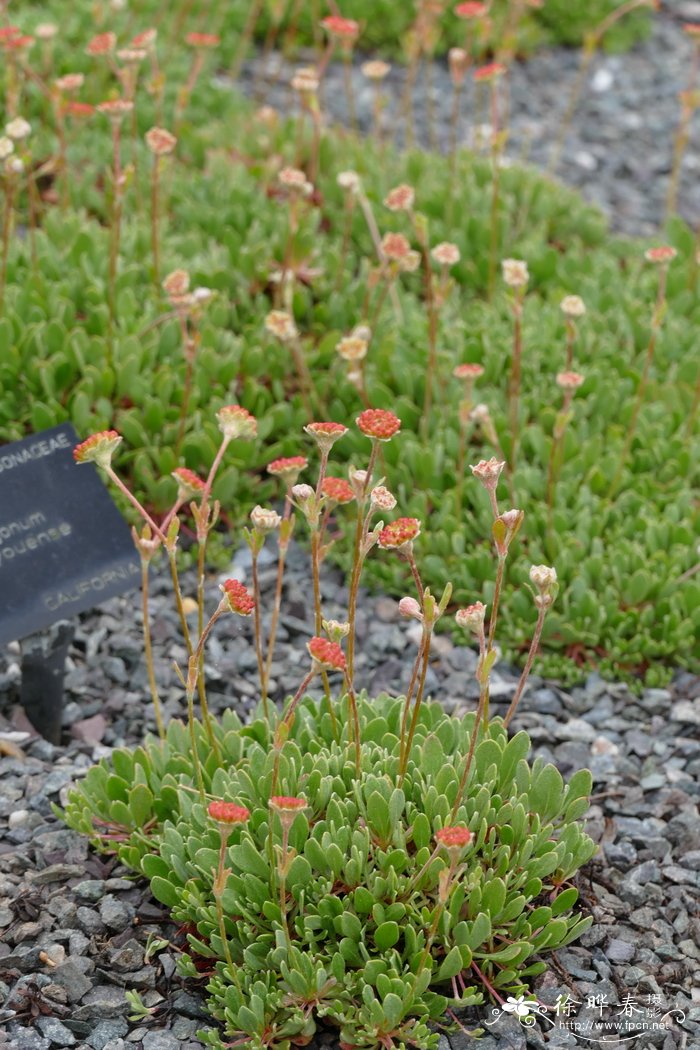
(470, 9)
(203, 40)
(189, 484)
(345, 29)
(288, 468)
(490, 72)
(236, 422)
(102, 44)
(236, 598)
(328, 656)
(325, 434)
(288, 803)
(569, 380)
(98, 448)
(18, 43)
(399, 533)
(115, 108)
(337, 490)
(453, 838)
(80, 109)
(662, 255)
(468, 372)
(378, 423)
(145, 39)
(395, 246)
(9, 32)
(228, 813)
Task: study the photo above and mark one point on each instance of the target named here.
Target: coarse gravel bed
(91, 919)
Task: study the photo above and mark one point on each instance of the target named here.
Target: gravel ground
(619, 148)
(76, 926)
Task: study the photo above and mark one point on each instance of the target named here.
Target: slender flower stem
(190, 353)
(148, 650)
(10, 186)
(113, 477)
(155, 208)
(496, 601)
(297, 696)
(480, 712)
(541, 613)
(219, 906)
(193, 743)
(570, 340)
(433, 320)
(407, 100)
(410, 558)
(416, 707)
(179, 603)
(348, 211)
(282, 871)
(515, 379)
(357, 562)
(115, 231)
(352, 700)
(555, 455)
(277, 603)
(258, 636)
(201, 684)
(417, 664)
(366, 208)
(656, 321)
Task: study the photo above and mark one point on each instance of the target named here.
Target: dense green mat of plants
(384, 25)
(363, 940)
(623, 605)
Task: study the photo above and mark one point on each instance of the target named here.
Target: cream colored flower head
(381, 498)
(305, 81)
(18, 129)
(351, 348)
(573, 306)
(265, 520)
(515, 273)
(281, 325)
(349, 181)
(375, 69)
(446, 254)
(543, 577)
(46, 31)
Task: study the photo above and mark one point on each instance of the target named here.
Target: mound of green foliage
(627, 604)
(368, 940)
(385, 25)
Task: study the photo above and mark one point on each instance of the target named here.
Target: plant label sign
(64, 546)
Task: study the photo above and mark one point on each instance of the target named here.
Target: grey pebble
(160, 1041)
(106, 1032)
(55, 1031)
(116, 914)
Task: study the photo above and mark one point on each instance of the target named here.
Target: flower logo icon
(520, 1007)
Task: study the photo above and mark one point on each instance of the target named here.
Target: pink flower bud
(410, 608)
